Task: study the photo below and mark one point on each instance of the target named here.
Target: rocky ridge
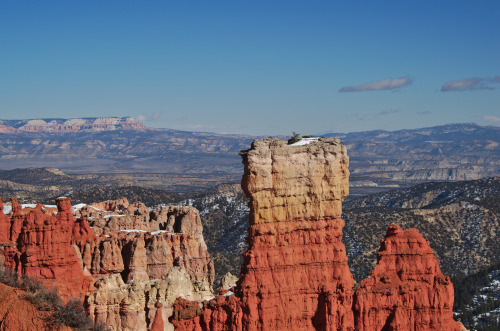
(380, 160)
(295, 272)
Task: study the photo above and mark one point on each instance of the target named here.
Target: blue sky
(256, 67)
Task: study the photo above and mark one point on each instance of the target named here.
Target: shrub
(294, 138)
(30, 284)
(73, 315)
(9, 277)
(44, 298)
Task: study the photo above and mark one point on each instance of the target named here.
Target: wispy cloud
(367, 118)
(470, 84)
(425, 112)
(370, 117)
(149, 117)
(381, 85)
(389, 111)
(489, 118)
(208, 127)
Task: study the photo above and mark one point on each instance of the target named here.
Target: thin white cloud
(389, 111)
(381, 85)
(489, 118)
(367, 118)
(149, 118)
(207, 127)
(156, 115)
(470, 84)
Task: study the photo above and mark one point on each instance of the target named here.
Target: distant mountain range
(379, 160)
(448, 152)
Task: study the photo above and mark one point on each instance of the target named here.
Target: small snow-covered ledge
(304, 141)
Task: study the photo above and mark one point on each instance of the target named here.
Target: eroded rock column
(406, 290)
(295, 274)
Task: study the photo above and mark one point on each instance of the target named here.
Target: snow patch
(161, 231)
(109, 216)
(79, 206)
(304, 141)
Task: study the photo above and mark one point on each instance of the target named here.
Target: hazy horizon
(276, 135)
(258, 68)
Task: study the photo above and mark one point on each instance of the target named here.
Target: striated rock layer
(295, 274)
(406, 290)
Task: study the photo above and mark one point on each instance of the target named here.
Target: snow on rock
(161, 231)
(109, 216)
(132, 230)
(304, 141)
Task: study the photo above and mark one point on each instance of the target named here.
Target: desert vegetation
(71, 313)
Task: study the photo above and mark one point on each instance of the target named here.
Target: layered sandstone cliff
(126, 262)
(295, 274)
(71, 125)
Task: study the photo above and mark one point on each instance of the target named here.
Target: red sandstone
(406, 290)
(295, 274)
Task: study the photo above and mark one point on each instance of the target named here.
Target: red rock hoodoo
(295, 274)
(126, 262)
(406, 290)
(43, 249)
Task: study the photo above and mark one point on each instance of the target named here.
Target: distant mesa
(58, 125)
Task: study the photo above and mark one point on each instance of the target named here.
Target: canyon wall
(126, 262)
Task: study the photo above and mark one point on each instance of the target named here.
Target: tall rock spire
(295, 273)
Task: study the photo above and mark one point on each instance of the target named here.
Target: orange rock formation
(295, 274)
(406, 290)
(139, 259)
